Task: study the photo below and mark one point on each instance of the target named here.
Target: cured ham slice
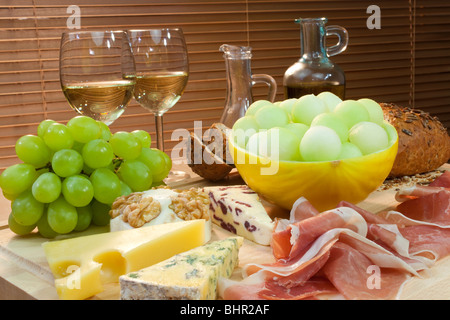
(418, 191)
(257, 287)
(442, 181)
(302, 209)
(433, 208)
(303, 232)
(429, 204)
(428, 241)
(388, 229)
(348, 263)
(348, 251)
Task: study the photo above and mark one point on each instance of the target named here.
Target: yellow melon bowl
(324, 184)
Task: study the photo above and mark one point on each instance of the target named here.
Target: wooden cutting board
(24, 272)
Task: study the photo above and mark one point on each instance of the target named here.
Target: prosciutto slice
(349, 252)
(442, 181)
(347, 263)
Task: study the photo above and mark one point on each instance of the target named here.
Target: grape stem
(116, 163)
(47, 166)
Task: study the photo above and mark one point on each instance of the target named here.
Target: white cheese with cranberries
(239, 210)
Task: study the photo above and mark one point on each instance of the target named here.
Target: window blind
(406, 61)
(431, 50)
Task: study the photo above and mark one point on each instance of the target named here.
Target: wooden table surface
(24, 272)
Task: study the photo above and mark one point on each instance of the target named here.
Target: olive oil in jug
(314, 72)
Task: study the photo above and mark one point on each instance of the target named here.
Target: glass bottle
(240, 81)
(314, 72)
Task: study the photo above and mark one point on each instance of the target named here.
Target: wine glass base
(175, 176)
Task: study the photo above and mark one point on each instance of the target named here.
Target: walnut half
(120, 204)
(135, 209)
(191, 204)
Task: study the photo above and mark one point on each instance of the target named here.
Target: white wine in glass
(159, 91)
(97, 73)
(162, 71)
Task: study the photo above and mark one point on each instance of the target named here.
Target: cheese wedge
(163, 196)
(191, 275)
(239, 210)
(81, 266)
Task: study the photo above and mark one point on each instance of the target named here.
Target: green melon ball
(334, 122)
(243, 129)
(288, 104)
(349, 150)
(330, 99)
(351, 112)
(320, 144)
(374, 109)
(270, 116)
(276, 144)
(391, 132)
(306, 108)
(298, 129)
(255, 106)
(369, 137)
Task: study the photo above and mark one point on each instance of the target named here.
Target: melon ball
(255, 106)
(288, 104)
(369, 137)
(276, 144)
(334, 122)
(351, 112)
(330, 99)
(270, 116)
(320, 143)
(306, 108)
(243, 129)
(349, 150)
(374, 109)
(391, 131)
(298, 129)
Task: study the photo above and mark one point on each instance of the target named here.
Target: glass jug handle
(342, 35)
(265, 78)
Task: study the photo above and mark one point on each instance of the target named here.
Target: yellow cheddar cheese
(81, 266)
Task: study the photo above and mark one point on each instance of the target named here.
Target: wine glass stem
(159, 132)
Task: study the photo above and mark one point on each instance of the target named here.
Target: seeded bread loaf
(424, 143)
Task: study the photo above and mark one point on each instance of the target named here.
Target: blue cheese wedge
(158, 206)
(239, 210)
(191, 275)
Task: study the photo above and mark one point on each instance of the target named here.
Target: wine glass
(97, 73)
(162, 70)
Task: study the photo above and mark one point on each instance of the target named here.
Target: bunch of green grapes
(71, 174)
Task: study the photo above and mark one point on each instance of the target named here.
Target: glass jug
(315, 72)
(240, 82)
